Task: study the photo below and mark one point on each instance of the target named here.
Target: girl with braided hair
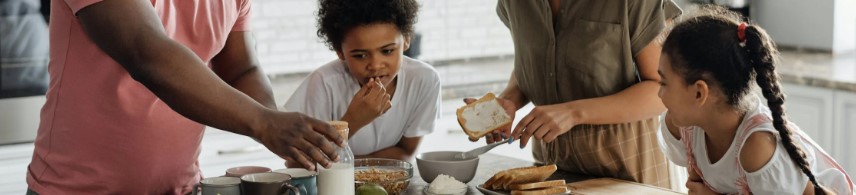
(731, 141)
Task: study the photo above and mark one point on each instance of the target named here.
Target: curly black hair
(337, 17)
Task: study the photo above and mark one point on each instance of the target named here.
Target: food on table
(371, 189)
(517, 176)
(394, 181)
(541, 191)
(537, 185)
(445, 184)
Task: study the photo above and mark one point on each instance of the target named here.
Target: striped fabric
(626, 151)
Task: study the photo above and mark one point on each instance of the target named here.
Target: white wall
(828, 25)
(844, 26)
(451, 29)
(800, 23)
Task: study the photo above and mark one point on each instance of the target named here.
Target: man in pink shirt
(134, 81)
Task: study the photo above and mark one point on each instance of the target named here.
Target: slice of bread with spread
(483, 116)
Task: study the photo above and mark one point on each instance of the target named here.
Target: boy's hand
(369, 103)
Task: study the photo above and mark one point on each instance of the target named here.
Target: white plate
(491, 192)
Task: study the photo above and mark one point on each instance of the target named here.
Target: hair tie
(741, 34)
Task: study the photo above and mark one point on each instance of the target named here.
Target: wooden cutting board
(615, 186)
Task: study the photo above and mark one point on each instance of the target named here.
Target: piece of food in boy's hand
(483, 116)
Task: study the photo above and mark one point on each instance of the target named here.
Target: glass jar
(339, 178)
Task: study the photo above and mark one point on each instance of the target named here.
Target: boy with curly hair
(389, 100)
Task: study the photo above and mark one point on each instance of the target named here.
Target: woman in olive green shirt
(590, 68)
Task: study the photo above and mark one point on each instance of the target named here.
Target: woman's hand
(545, 123)
(503, 132)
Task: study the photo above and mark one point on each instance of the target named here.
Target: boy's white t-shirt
(327, 92)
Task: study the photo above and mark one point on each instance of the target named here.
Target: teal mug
(301, 176)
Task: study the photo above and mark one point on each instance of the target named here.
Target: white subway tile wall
(287, 42)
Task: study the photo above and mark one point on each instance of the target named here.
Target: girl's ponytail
(761, 56)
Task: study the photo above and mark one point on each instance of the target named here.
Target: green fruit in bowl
(371, 189)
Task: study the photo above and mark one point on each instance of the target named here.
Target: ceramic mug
(241, 171)
(268, 183)
(301, 176)
(218, 185)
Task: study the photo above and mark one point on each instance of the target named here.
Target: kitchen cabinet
(811, 108)
(828, 116)
(845, 125)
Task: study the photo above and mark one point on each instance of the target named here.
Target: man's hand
(369, 103)
(545, 123)
(503, 132)
(299, 138)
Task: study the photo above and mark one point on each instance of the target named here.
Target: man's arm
(130, 33)
(405, 149)
(238, 66)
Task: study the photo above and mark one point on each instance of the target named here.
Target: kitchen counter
(823, 70)
(490, 164)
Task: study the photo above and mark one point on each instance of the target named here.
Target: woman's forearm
(635, 103)
(513, 93)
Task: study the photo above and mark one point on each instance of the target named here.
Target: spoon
(481, 150)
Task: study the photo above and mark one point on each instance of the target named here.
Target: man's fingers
(301, 158)
(312, 154)
(326, 130)
(322, 143)
(317, 155)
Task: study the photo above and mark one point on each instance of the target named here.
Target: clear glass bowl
(393, 175)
